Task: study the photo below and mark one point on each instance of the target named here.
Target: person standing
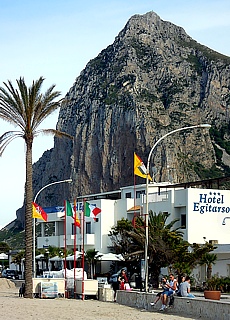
(123, 279)
(115, 286)
(185, 288)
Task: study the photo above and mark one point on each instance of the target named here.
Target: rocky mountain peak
(150, 27)
(153, 79)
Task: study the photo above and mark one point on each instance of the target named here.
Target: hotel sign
(211, 202)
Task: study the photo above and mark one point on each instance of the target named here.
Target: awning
(40, 256)
(109, 257)
(78, 255)
(56, 258)
(135, 208)
(3, 256)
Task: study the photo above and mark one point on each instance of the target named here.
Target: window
(128, 195)
(183, 221)
(49, 229)
(138, 193)
(88, 228)
(73, 229)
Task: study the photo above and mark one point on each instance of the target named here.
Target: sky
(56, 38)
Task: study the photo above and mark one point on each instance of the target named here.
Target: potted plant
(212, 285)
(213, 288)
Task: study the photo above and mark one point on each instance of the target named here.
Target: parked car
(10, 274)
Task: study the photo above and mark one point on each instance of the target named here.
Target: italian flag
(70, 213)
(91, 210)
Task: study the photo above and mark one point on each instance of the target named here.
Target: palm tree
(26, 108)
(164, 238)
(208, 259)
(91, 258)
(18, 258)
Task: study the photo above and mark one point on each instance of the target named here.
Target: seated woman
(185, 288)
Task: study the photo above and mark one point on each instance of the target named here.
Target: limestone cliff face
(153, 79)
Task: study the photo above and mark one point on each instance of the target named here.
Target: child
(22, 290)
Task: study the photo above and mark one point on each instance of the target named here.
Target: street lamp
(223, 222)
(34, 225)
(147, 191)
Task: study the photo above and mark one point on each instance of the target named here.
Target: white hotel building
(202, 213)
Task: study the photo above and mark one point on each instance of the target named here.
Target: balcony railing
(59, 241)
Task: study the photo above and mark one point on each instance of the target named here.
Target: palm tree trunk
(28, 223)
(209, 271)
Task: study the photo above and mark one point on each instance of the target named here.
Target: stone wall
(105, 294)
(197, 307)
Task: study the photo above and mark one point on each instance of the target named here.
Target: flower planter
(213, 295)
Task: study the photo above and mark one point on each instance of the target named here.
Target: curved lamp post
(147, 191)
(223, 222)
(34, 225)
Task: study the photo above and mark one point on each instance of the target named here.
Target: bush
(218, 283)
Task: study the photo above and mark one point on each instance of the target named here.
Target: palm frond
(57, 133)
(10, 106)
(6, 138)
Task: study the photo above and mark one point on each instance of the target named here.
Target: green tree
(122, 243)
(17, 259)
(208, 259)
(26, 108)
(4, 247)
(53, 251)
(187, 257)
(91, 258)
(163, 239)
(166, 246)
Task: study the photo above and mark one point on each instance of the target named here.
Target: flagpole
(34, 246)
(83, 253)
(134, 216)
(65, 249)
(74, 250)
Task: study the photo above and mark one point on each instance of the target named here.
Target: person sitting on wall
(178, 293)
(164, 281)
(172, 287)
(185, 288)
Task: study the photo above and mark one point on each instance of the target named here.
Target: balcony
(59, 241)
(89, 239)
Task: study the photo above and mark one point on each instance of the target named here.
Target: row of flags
(90, 210)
